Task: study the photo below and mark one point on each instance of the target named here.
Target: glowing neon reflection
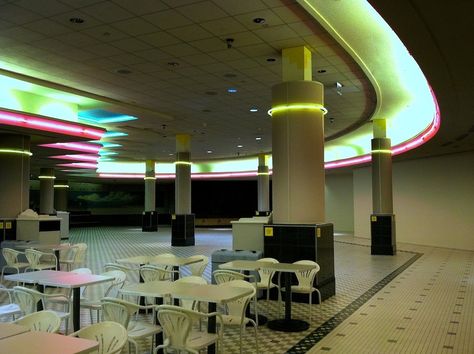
(83, 147)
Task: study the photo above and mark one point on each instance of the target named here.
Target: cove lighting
(13, 151)
(49, 125)
(107, 153)
(297, 107)
(61, 186)
(101, 116)
(112, 134)
(382, 151)
(46, 177)
(148, 178)
(109, 145)
(183, 163)
(83, 147)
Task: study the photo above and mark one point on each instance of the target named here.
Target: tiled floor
(419, 301)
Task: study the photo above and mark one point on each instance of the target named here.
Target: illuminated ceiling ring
(13, 151)
(296, 107)
(46, 177)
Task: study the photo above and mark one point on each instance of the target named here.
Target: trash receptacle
(224, 256)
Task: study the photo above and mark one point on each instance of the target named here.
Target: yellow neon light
(61, 186)
(382, 151)
(302, 106)
(146, 178)
(263, 173)
(12, 151)
(46, 177)
(183, 163)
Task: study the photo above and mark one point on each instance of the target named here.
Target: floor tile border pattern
(319, 333)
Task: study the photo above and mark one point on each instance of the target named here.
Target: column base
(294, 242)
(382, 230)
(150, 221)
(182, 230)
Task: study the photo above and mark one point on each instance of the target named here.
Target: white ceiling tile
(202, 11)
(223, 26)
(290, 13)
(134, 26)
(243, 63)
(44, 8)
(271, 19)
(190, 33)
(17, 15)
(227, 54)
(279, 45)
(274, 33)
(105, 33)
(104, 49)
(240, 6)
(107, 12)
(179, 50)
(47, 27)
(130, 45)
(159, 39)
(259, 50)
(22, 34)
(128, 59)
(178, 3)
(167, 19)
(77, 39)
(65, 20)
(155, 55)
(141, 7)
(209, 44)
(199, 59)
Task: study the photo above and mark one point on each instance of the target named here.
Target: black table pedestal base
(288, 325)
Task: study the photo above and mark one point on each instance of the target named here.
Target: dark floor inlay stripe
(323, 330)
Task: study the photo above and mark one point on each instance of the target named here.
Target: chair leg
(310, 301)
(256, 339)
(240, 339)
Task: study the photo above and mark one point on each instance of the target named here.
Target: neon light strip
(183, 163)
(76, 157)
(172, 175)
(54, 126)
(61, 186)
(263, 173)
(46, 177)
(147, 178)
(291, 107)
(84, 147)
(382, 151)
(12, 151)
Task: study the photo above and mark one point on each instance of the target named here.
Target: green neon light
(46, 177)
(263, 173)
(61, 186)
(183, 163)
(13, 151)
(147, 178)
(382, 151)
(296, 107)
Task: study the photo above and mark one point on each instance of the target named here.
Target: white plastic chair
(198, 268)
(111, 291)
(191, 304)
(41, 321)
(155, 273)
(121, 311)
(40, 260)
(10, 309)
(68, 257)
(28, 299)
(112, 336)
(305, 282)
(235, 310)
(80, 259)
(11, 260)
(178, 334)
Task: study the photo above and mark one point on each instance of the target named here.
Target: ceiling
(168, 62)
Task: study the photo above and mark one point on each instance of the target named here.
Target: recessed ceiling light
(270, 60)
(170, 154)
(321, 71)
(232, 90)
(240, 146)
(173, 63)
(209, 151)
(76, 20)
(123, 71)
(258, 138)
(253, 110)
(259, 20)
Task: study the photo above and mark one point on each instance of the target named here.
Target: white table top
(11, 329)
(58, 278)
(45, 246)
(46, 343)
(254, 265)
(186, 291)
(174, 261)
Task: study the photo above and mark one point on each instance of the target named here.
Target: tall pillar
(60, 195)
(299, 230)
(263, 180)
(182, 222)
(382, 220)
(46, 178)
(150, 216)
(15, 174)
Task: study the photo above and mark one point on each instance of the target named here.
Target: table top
(254, 265)
(58, 278)
(45, 246)
(46, 343)
(11, 329)
(169, 260)
(186, 291)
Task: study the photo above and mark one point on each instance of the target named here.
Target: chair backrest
(224, 276)
(26, 298)
(69, 254)
(266, 274)
(11, 256)
(33, 257)
(82, 271)
(190, 304)
(154, 273)
(117, 310)
(117, 283)
(81, 253)
(176, 323)
(238, 306)
(306, 277)
(3, 288)
(111, 336)
(199, 267)
(41, 321)
(115, 266)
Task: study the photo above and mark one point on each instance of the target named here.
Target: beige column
(46, 178)
(263, 180)
(15, 174)
(183, 174)
(382, 198)
(298, 142)
(61, 189)
(150, 185)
